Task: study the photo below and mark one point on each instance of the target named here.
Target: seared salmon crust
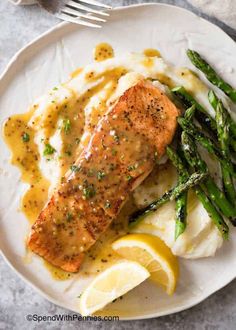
(122, 151)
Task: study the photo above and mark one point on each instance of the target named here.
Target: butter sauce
(25, 156)
(20, 137)
(102, 52)
(151, 52)
(57, 273)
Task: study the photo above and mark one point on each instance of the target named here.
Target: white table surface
(18, 26)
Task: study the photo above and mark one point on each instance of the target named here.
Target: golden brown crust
(121, 153)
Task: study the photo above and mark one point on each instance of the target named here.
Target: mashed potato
(97, 87)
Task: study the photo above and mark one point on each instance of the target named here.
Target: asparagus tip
(179, 229)
(225, 235)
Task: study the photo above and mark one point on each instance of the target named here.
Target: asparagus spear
(213, 213)
(215, 194)
(233, 145)
(181, 200)
(181, 214)
(223, 136)
(211, 74)
(214, 100)
(190, 112)
(170, 195)
(207, 143)
(201, 115)
(210, 208)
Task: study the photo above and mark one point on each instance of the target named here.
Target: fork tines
(84, 11)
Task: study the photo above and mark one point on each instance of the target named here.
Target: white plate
(48, 61)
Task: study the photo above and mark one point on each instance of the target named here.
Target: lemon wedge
(112, 283)
(153, 254)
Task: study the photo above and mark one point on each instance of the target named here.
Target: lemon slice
(114, 282)
(152, 253)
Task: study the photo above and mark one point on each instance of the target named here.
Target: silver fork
(77, 11)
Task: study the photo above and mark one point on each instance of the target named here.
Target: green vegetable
(113, 152)
(215, 194)
(213, 213)
(214, 100)
(129, 177)
(207, 204)
(116, 138)
(190, 112)
(89, 191)
(224, 138)
(66, 126)
(25, 137)
(69, 216)
(132, 167)
(107, 205)
(181, 200)
(207, 143)
(48, 150)
(211, 74)
(100, 175)
(75, 168)
(181, 214)
(201, 114)
(68, 153)
(171, 195)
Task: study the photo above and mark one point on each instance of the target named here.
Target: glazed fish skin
(121, 153)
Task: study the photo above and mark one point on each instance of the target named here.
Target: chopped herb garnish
(66, 126)
(53, 101)
(69, 216)
(113, 152)
(75, 168)
(116, 138)
(107, 205)
(48, 150)
(55, 88)
(90, 173)
(132, 167)
(89, 191)
(68, 153)
(111, 167)
(100, 175)
(156, 156)
(129, 177)
(25, 137)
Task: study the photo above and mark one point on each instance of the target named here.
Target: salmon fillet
(122, 151)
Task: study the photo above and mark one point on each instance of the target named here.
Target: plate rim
(4, 76)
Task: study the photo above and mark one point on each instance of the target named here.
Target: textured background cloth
(224, 10)
(18, 26)
(23, 2)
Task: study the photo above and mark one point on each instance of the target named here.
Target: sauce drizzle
(102, 52)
